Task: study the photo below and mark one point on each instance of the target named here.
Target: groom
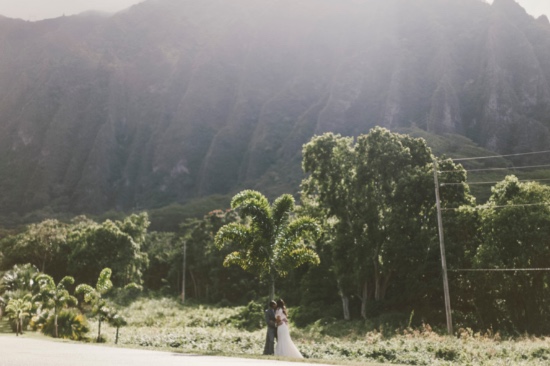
(271, 321)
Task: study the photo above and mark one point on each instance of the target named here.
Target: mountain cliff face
(175, 99)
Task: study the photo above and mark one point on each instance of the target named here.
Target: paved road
(22, 351)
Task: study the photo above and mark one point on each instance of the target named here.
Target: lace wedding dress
(285, 347)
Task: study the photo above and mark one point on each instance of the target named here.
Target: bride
(285, 347)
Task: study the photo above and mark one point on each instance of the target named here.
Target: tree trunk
(345, 301)
(99, 330)
(272, 288)
(184, 270)
(384, 286)
(195, 288)
(377, 278)
(116, 337)
(364, 298)
(55, 323)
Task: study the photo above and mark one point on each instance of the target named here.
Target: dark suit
(271, 322)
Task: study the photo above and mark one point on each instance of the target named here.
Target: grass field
(165, 324)
(4, 326)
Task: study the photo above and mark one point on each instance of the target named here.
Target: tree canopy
(270, 241)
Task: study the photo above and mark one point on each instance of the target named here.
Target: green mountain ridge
(174, 100)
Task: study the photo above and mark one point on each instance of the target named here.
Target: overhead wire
(498, 206)
(502, 156)
(492, 169)
(498, 269)
(493, 182)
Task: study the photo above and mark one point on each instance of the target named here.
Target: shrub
(71, 325)
(251, 317)
(305, 315)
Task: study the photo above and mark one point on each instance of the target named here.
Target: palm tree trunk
(99, 330)
(56, 328)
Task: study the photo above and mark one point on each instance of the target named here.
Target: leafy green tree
(205, 279)
(94, 297)
(18, 310)
(164, 255)
(330, 162)
(55, 297)
(112, 244)
(270, 242)
(378, 196)
(20, 277)
(515, 227)
(40, 244)
(18, 282)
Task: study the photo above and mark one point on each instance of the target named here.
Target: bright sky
(41, 9)
(533, 7)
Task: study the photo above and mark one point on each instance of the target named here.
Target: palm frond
(84, 289)
(233, 232)
(282, 207)
(45, 280)
(235, 258)
(104, 283)
(259, 213)
(65, 281)
(303, 228)
(248, 195)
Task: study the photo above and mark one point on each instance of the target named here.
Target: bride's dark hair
(281, 305)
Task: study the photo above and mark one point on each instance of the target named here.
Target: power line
(472, 183)
(501, 156)
(508, 168)
(498, 269)
(500, 206)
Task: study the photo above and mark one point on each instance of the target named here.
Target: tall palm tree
(269, 241)
(54, 296)
(94, 296)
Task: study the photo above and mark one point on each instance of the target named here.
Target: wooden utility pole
(184, 270)
(443, 260)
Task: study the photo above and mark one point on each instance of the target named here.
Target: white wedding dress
(285, 347)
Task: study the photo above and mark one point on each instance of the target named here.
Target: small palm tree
(54, 296)
(116, 320)
(270, 242)
(18, 310)
(94, 297)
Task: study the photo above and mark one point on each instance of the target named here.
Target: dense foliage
(270, 243)
(363, 244)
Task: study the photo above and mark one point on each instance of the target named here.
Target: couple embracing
(277, 327)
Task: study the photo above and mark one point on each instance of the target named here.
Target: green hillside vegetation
(357, 261)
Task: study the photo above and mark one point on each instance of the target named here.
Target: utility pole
(443, 260)
(184, 270)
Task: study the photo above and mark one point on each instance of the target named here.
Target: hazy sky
(40, 9)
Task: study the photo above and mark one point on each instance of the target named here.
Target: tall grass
(165, 324)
